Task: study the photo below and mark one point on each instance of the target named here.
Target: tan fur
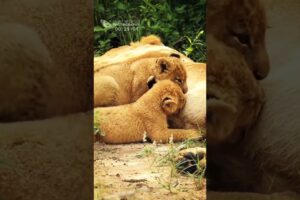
(236, 58)
(69, 72)
(148, 115)
(132, 53)
(235, 98)
(236, 51)
(232, 83)
(266, 160)
(150, 39)
(41, 145)
(194, 113)
(25, 74)
(130, 80)
(274, 143)
(241, 25)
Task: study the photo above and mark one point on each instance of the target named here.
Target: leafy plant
(180, 24)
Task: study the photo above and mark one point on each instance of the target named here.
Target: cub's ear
(221, 118)
(163, 66)
(151, 81)
(169, 105)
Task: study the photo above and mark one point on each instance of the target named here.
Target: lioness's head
(236, 58)
(172, 99)
(241, 24)
(169, 68)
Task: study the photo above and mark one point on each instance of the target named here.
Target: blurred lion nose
(261, 64)
(259, 76)
(185, 89)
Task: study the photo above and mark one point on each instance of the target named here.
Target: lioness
(194, 113)
(145, 117)
(124, 83)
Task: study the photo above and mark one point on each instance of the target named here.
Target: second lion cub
(148, 115)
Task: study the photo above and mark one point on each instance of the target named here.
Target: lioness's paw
(191, 160)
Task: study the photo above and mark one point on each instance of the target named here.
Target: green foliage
(179, 23)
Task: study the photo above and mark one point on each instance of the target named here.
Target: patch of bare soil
(136, 171)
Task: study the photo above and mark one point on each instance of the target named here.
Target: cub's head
(236, 59)
(241, 24)
(169, 68)
(234, 97)
(171, 97)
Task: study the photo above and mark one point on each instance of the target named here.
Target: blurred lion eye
(178, 80)
(243, 39)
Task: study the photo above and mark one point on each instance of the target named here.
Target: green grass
(97, 119)
(169, 159)
(180, 24)
(146, 152)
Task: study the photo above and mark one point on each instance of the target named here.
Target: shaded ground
(141, 171)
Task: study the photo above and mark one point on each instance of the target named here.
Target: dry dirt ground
(141, 171)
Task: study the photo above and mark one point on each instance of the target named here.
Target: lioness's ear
(162, 65)
(151, 81)
(169, 105)
(175, 55)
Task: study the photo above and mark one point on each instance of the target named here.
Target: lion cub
(147, 116)
(119, 84)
